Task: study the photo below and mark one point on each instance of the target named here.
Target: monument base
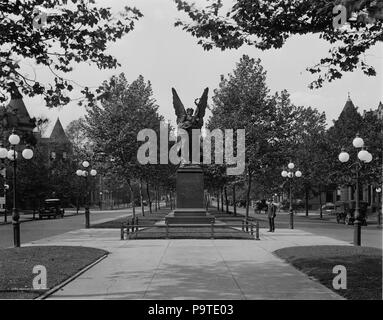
(189, 216)
(190, 204)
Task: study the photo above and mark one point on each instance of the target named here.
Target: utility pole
(381, 192)
(3, 198)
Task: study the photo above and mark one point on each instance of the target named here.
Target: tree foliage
(267, 24)
(82, 145)
(242, 101)
(113, 126)
(277, 132)
(78, 32)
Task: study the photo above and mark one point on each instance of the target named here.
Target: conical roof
(19, 116)
(349, 104)
(58, 133)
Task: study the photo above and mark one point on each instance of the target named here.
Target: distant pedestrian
(271, 213)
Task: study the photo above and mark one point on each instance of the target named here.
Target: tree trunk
(381, 191)
(149, 199)
(208, 200)
(77, 204)
(171, 200)
(142, 199)
(132, 199)
(226, 201)
(234, 201)
(320, 203)
(307, 200)
(156, 199)
(221, 193)
(248, 193)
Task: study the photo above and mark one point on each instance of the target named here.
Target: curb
(70, 279)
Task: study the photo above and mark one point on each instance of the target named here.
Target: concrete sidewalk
(191, 269)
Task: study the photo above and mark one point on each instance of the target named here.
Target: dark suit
(271, 213)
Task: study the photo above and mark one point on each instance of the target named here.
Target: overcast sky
(169, 57)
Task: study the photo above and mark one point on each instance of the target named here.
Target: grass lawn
(363, 265)
(154, 232)
(192, 233)
(61, 262)
(148, 220)
(151, 219)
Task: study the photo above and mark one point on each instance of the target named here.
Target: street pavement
(191, 269)
(38, 229)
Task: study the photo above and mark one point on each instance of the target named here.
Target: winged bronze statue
(189, 119)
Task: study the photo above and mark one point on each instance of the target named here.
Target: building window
(64, 155)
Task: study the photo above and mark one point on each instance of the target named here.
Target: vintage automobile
(329, 207)
(345, 210)
(51, 208)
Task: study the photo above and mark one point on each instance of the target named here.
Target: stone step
(189, 220)
(184, 212)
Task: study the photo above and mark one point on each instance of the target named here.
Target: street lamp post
(363, 157)
(5, 189)
(85, 174)
(290, 174)
(378, 191)
(11, 155)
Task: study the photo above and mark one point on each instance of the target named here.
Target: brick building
(368, 193)
(54, 151)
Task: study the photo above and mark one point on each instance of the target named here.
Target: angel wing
(178, 107)
(201, 105)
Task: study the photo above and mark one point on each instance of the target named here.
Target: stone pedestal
(190, 202)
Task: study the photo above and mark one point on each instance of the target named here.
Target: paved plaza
(191, 269)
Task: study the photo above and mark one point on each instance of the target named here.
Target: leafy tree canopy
(113, 125)
(268, 24)
(78, 33)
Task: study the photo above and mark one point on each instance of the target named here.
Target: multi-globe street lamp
(363, 157)
(290, 174)
(85, 173)
(12, 155)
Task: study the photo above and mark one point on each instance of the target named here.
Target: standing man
(271, 213)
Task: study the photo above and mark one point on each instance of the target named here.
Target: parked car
(329, 207)
(345, 212)
(51, 208)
